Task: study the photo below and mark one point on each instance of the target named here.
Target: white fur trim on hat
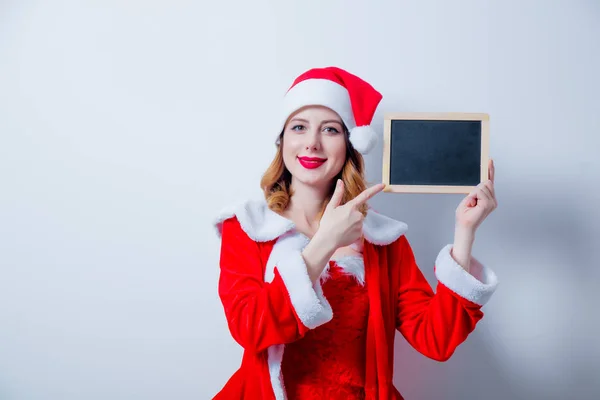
(322, 92)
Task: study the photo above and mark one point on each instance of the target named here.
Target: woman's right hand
(342, 225)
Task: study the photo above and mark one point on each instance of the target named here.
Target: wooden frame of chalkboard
(435, 152)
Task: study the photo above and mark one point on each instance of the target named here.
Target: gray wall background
(126, 125)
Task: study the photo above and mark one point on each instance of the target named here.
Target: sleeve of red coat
(261, 314)
(435, 324)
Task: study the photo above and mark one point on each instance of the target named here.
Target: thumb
(336, 198)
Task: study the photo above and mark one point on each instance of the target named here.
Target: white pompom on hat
(352, 98)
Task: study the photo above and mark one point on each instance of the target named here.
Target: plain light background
(126, 125)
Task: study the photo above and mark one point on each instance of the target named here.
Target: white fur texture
(259, 222)
(274, 359)
(262, 224)
(353, 265)
(322, 92)
(477, 286)
(310, 305)
(382, 230)
(363, 138)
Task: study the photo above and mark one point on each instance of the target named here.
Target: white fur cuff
(311, 306)
(476, 286)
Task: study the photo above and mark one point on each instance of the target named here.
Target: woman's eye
(331, 129)
(297, 127)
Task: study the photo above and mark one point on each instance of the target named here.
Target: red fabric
(364, 98)
(260, 314)
(329, 361)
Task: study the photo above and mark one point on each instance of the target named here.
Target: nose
(313, 140)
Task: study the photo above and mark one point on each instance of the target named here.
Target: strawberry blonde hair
(276, 180)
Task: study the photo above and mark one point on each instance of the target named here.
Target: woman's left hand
(478, 204)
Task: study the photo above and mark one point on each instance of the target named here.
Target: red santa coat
(269, 299)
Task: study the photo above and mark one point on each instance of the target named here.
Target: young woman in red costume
(314, 283)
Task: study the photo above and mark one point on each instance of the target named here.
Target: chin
(311, 179)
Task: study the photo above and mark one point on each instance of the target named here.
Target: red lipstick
(311, 162)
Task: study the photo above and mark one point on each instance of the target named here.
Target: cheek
(290, 148)
(337, 151)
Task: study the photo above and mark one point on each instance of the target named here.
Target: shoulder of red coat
(382, 230)
(262, 224)
(259, 222)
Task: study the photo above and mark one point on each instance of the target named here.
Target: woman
(314, 284)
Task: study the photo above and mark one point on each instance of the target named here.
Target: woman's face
(314, 145)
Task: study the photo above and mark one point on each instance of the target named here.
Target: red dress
(275, 312)
(329, 361)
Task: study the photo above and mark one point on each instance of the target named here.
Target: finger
(367, 194)
(485, 197)
(337, 195)
(485, 191)
(493, 199)
(490, 185)
(492, 171)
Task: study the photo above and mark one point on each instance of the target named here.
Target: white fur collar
(262, 224)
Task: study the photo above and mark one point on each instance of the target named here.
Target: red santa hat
(352, 98)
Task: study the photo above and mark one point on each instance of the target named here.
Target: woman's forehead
(316, 113)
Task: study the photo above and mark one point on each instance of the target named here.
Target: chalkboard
(435, 152)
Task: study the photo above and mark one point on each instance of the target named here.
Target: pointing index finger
(367, 194)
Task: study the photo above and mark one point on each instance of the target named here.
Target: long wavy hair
(276, 180)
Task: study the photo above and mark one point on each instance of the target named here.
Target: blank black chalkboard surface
(435, 152)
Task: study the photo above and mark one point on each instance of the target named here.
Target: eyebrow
(332, 120)
(324, 122)
(299, 120)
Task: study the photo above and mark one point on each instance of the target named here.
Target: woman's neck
(306, 205)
